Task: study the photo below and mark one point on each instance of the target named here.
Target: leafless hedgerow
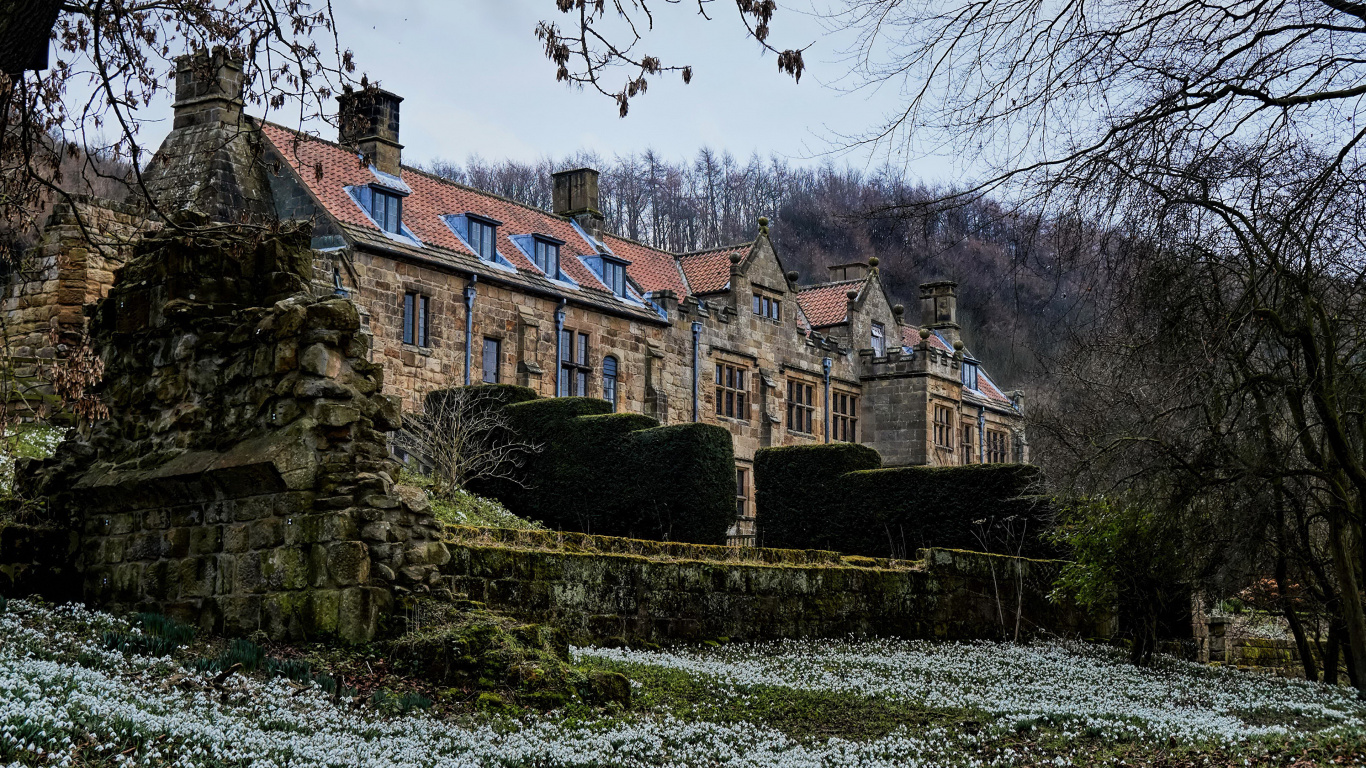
(602, 36)
(463, 435)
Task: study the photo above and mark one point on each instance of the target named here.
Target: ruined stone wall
(243, 480)
(599, 588)
(45, 297)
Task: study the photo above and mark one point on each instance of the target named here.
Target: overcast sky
(475, 81)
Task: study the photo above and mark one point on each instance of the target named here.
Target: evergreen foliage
(836, 497)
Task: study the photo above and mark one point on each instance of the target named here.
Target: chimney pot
(208, 89)
(368, 120)
(575, 195)
(939, 308)
(855, 270)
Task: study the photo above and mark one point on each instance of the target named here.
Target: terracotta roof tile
(651, 268)
(327, 168)
(826, 304)
(709, 271)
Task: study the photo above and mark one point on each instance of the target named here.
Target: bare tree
(463, 435)
(600, 38)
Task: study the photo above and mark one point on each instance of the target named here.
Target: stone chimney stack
(369, 122)
(576, 196)
(854, 270)
(939, 308)
(208, 89)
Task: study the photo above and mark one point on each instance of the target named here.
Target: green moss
(454, 647)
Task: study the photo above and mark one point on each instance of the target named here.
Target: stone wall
(84, 241)
(598, 588)
(243, 479)
(38, 559)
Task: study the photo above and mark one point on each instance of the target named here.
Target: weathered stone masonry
(599, 588)
(243, 480)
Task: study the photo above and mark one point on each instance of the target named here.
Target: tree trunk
(1311, 671)
(1349, 595)
(1330, 653)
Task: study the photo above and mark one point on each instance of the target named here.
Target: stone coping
(582, 543)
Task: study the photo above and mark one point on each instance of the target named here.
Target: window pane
(730, 403)
(740, 412)
(553, 261)
(582, 358)
(581, 384)
(490, 360)
(421, 321)
(566, 344)
(609, 366)
(408, 311)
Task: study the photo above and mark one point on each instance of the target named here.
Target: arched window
(609, 380)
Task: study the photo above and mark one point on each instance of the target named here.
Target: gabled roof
(826, 304)
(327, 169)
(709, 271)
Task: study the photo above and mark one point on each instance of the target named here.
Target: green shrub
(798, 494)
(834, 497)
(619, 474)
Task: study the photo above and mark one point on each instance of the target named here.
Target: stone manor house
(459, 286)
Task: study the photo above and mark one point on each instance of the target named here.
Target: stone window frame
(968, 451)
(732, 385)
(497, 342)
(797, 410)
(743, 493)
(575, 370)
(943, 428)
(611, 383)
(416, 325)
(767, 306)
(843, 416)
(998, 446)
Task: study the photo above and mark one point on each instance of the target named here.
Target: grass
(460, 507)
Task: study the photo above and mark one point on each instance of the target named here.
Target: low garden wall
(605, 588)
(36, 559)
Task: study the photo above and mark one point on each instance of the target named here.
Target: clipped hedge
(619, 474)
(797, 494)
(815, 497)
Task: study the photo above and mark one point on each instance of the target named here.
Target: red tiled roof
(327, 168)
(988, 388)
(652, 269)
(910, 337)
(826, 304)
(709, 271)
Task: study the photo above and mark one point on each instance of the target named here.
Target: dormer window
(879, 340)
(546, 254)
(614, 276)
(386, 208)
(481, 234)
(970, 375)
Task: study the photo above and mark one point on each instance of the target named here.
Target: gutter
(981, 435)
(825, 367)
(559, 344)
(696, 370)
(470, 293)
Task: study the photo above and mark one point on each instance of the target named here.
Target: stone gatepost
(243, 480)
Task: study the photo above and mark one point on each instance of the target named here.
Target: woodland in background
(1013, 271)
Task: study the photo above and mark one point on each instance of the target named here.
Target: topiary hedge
(797, 493)
(817, 497)
(619, 474)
